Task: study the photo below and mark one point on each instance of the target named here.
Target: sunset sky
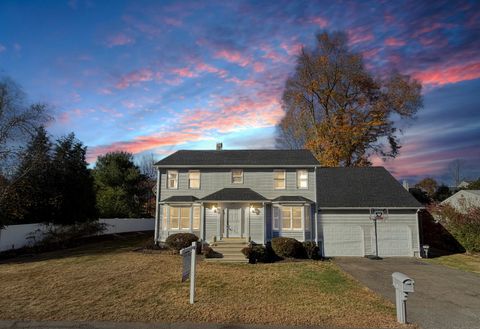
(154, 77)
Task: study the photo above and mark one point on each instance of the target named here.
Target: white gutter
(379, 207)
(316, 209)
(157, 210)
(235, 166)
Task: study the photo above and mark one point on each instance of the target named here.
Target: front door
(234, 223)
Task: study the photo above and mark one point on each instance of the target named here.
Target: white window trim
(276, 223)
(302, 221)
(199, 179)
(298, 179)
(241, 171)
(168, 180)
(284, 179)
(199, 217)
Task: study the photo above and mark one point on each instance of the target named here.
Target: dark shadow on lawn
(94, 245)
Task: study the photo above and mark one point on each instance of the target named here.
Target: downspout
(157, 209)
(420, 235)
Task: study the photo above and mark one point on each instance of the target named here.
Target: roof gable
(239, 158)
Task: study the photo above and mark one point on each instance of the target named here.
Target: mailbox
(402, 282)
(403, 285)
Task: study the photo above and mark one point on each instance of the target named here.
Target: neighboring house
(257, 195)
(464, 199)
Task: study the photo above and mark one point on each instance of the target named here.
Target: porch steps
(231, 250)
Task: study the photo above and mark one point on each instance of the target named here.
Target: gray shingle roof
(181, 198)
(291, 198)
(361, 187)
(235, 194)
(239, 158)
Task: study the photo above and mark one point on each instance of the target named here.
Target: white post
(157, 209)
(192, 273)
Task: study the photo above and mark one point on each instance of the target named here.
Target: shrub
(288, 247)
(257, 253)
(208, 252)
(463, 224)
(311, 250)
(179, 241)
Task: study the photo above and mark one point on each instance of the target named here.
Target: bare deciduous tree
(147, 166)
(455, 169)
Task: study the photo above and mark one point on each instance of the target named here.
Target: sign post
(189, 262)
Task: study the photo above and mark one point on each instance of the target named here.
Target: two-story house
(257, 195)
(251, 194)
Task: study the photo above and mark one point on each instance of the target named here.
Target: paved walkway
(443, 298)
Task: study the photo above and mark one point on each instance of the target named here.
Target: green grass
(464, 262)
(107, 281)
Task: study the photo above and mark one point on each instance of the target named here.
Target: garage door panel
(393, 240)
(342, 240)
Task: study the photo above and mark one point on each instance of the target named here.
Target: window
(194, 179)
(307, 218)
(164, 218)
(172, 179)
(185, 218)
(196, 218)
(302, 179)
(279, 179)
(237, 176)
(276, 218)
(174, 216)
(291, 218)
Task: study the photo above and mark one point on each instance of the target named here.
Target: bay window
(181, 218)
(288, 218)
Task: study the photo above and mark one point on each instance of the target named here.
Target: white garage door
(342, 240)
(393, 240)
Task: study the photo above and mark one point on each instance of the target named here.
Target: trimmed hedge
(288, 247)
(257, 253)
(179, 241)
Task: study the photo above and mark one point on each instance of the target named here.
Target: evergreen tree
(120, 185)
(75, 194)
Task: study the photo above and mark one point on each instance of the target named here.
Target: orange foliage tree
(340, 111)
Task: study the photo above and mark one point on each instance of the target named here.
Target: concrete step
(223, 260)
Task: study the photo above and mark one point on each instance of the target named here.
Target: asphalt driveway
(443, 297)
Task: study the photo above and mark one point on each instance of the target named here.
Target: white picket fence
(15, 236)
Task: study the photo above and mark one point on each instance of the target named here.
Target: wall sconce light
(214, 208)
(254, 209)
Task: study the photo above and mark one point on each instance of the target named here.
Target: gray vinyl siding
(257, 226)
(212, 220)
(258, 179)
(359, 221)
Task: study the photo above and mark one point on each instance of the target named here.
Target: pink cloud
(319, 21)
(359, 35)
(143, 143)
(142, 75)
(292, 49)
(393, 42)
(120, 39)
(204, 67)
(233, 56)
(258, 67)
(272, 55)
(441, 75)
(184, 72)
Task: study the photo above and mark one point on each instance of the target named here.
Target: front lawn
(464, 262)
(109, 282)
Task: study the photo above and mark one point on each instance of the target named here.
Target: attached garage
(346, 198)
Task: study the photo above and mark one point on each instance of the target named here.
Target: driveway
(443, 297)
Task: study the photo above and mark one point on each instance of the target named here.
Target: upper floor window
(194, 179)
(237, 176)
(172, 179)
(279, 178)
(302, 179)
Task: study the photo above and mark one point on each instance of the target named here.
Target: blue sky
(157, 76)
